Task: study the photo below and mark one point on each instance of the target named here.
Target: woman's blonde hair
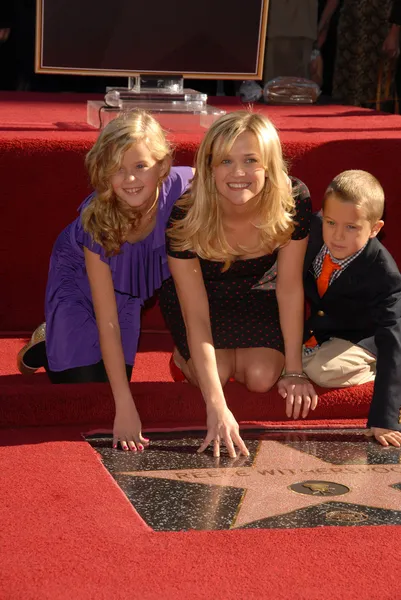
(105, 218)
(201, 230)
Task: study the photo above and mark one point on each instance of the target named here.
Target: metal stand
(162, 96)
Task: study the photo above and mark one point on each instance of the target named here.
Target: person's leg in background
(287, 57)
(328, 50)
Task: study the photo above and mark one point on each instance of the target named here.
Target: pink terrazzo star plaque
(301, 480)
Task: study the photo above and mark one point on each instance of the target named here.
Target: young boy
(353, 286)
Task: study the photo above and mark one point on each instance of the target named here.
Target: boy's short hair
(360, 188)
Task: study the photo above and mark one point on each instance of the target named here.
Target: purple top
(137, 272)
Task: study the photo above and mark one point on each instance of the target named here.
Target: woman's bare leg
(225, 366)
(258, 368)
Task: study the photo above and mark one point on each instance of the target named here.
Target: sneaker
(26, 363)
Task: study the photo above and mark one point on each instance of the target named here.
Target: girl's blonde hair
(201, 230)
(105, 218)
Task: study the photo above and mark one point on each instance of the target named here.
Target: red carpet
(68, 532)
(163, 405)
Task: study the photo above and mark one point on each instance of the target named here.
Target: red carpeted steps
(163, 404)
(45, 137)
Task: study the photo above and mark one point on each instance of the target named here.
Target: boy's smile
(346, 228)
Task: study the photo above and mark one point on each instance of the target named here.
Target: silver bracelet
(295, 375)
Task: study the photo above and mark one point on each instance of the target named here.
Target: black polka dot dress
(242, 300)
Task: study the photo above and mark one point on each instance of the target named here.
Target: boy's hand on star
(385, 437)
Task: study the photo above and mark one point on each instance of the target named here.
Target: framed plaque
(210, 39)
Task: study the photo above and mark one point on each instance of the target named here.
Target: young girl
(236, 245)
(107, 262)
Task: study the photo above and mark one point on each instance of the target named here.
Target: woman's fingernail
(140, 447)
(146, 439)
(114, 446)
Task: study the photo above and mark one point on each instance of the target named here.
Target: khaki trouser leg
(338, 363)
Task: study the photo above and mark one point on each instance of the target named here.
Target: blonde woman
(107, 262)
(235, 302)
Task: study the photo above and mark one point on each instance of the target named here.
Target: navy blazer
(363, 306)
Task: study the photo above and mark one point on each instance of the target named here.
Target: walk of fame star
(278, 486)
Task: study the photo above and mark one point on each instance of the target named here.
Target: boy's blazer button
(320, 313)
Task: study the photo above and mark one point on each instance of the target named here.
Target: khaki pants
(338, 363)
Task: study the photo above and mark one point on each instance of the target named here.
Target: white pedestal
(173, 115)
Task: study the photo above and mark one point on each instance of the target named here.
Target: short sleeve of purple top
(243, 305)
(72, 338)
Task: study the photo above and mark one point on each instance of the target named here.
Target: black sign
(223, 39)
